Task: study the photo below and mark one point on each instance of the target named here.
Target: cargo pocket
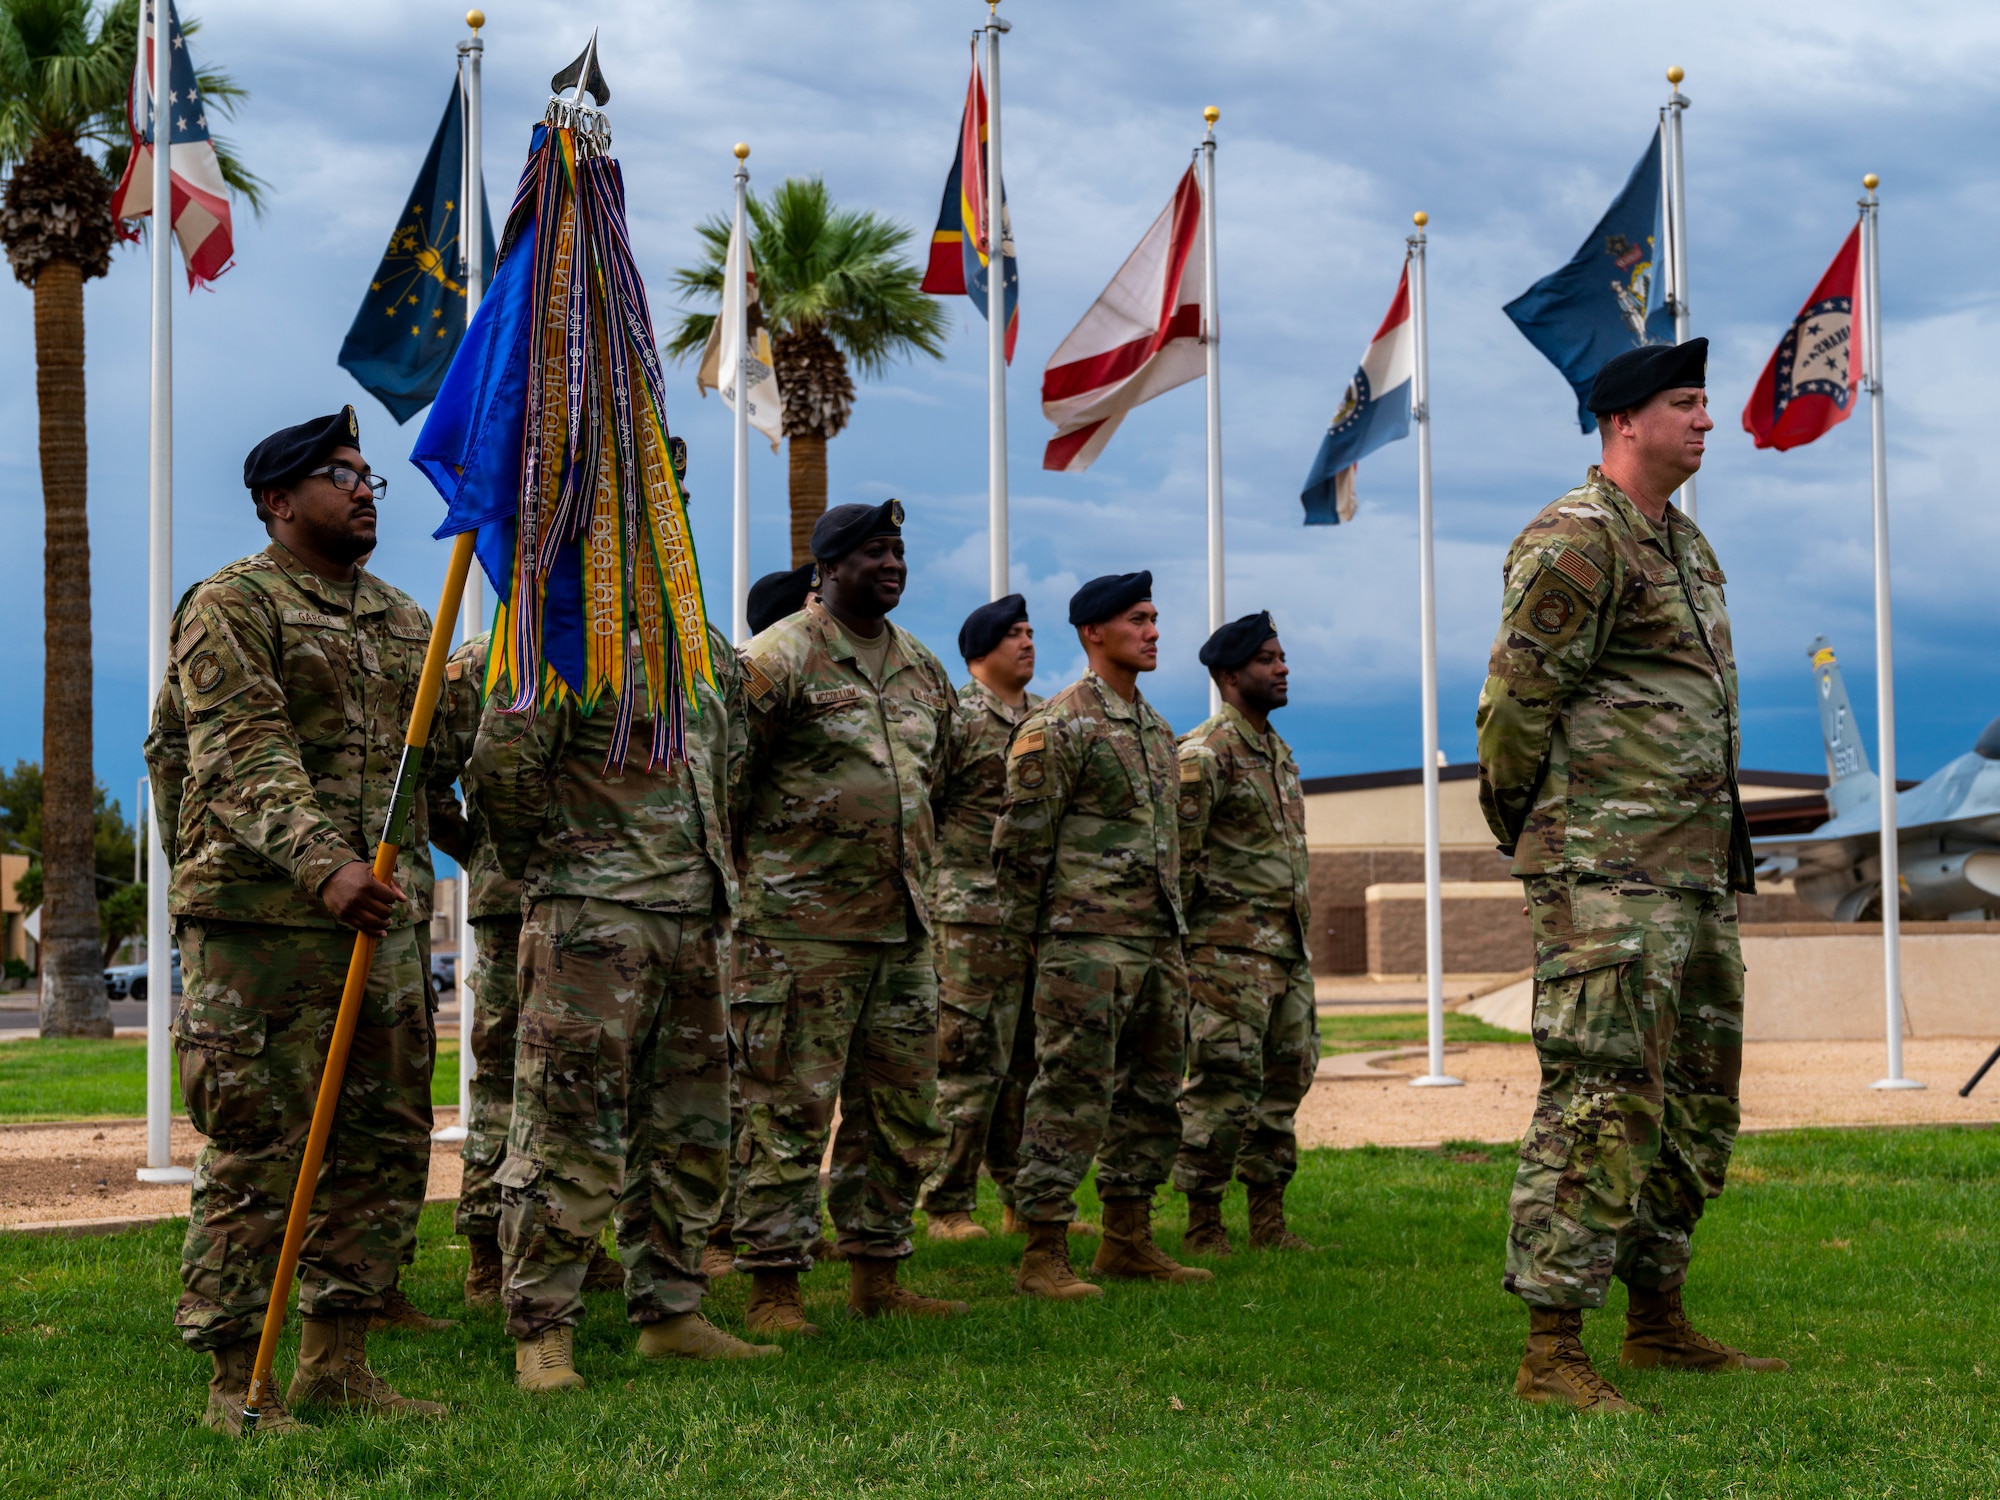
(757, 1015)
(225, 1081)
(959, 1035)
(220, 1026)
(556, 1064)
(1587, 1001)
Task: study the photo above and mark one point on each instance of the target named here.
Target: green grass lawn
(68, 1079)
(1381, 1365)
(1338, 1033)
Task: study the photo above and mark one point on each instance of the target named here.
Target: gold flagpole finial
(742, 149)
(475, 19)
(1211, 114)
(1420, 218)
(1871, 182)
(1675, 75)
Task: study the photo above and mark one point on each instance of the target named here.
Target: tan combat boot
(952, 1227)
(1128, 1253)
(1268, 1230)
(775, 1305)
(1013, 1223)
(1206, 1234)
(398, 1311)
(483, 1277)
(1556, 1368)
(872, 1292)
(1659, 1336)
(691, 1336)
(604, 1273)
(333, 1369)
(1045, 1268)
(547, 1362)
(718, 1256)
(229, 1386)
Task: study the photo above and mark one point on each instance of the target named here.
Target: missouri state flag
(200, 214)
(961, 246)
(1375, 410)
(1808, 386)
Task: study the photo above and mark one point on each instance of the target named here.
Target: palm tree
(65, 68)
(836, 290)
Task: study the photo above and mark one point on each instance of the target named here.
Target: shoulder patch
(1579, 569)
(1029, 743)
(454, 671)
(1552, 610)
(756, 681)
(1190, 770)
(190, 638)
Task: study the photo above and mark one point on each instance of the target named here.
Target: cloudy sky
(1511, 124)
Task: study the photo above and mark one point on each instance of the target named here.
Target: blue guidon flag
(1374, 411)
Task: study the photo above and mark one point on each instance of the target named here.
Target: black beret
(1630, 379)
(286, 456)
(777, 595)
(845, 527)
(1113, 594)
(1235, 643)
(987, 626)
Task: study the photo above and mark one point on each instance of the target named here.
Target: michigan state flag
(1610, 297)
(410, 322)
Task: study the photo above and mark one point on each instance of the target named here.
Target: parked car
(128, 981)
(444, 972)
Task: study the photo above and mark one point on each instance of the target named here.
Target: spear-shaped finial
(584, 76)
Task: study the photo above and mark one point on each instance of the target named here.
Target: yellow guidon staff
(402, 800)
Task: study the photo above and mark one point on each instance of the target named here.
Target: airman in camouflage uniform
(1253, 1030)
(1608, 743)
(835, 995)
(273, 752)
(986, 1057)
(1088, 862)
(621, 1084)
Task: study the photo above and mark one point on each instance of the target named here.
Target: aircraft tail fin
(1851, 782)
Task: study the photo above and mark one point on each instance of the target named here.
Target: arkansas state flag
(1808, 386)
(960, 248)
(1143, 335)
(201, 198)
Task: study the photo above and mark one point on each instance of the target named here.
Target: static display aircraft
(1947, 828)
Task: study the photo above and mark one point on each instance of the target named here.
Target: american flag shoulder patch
(1577, 568)
(1028, 743)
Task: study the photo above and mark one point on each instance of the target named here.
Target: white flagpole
(1212, 348)
(159, 605)
(472, 610)
(1885, 671)
(996, 321)
(738, 293)
(1677, 237)
(1420, 393)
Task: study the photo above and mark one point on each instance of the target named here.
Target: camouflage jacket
(1086, 840)
(490, 891)
(968, 804)
(1243, 839)
(833, 802)
(1608, 729)
(565, 825)
(276, 736)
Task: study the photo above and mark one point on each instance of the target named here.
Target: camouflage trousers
(1111, 1047)
(1639, 1028)
(1253, 1043)
(495, 988)
(813, 1022)
(621, 1110)
(252, 1031)
(986, 1060)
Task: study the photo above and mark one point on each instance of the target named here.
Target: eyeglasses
(347, 480)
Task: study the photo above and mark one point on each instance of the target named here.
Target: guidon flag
(1142, 336)
(1374, 411)
(961, 245)
(1808, 385)
(200, 196)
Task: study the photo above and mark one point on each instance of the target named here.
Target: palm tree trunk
(807, 463)
(73, 998)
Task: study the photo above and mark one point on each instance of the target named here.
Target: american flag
(201, 198)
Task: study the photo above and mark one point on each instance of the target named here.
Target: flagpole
(1420, 393)
(996, 320)
(738, 292)
(1885, 670)
(1212, 348)
(1677, 237)
(159, 609)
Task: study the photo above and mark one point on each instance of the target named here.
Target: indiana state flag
(410, 322)
(961, 243)
(1610, 297)
(1375, 410)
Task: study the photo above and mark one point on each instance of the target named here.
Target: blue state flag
(1610, 297)
(410, 322)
